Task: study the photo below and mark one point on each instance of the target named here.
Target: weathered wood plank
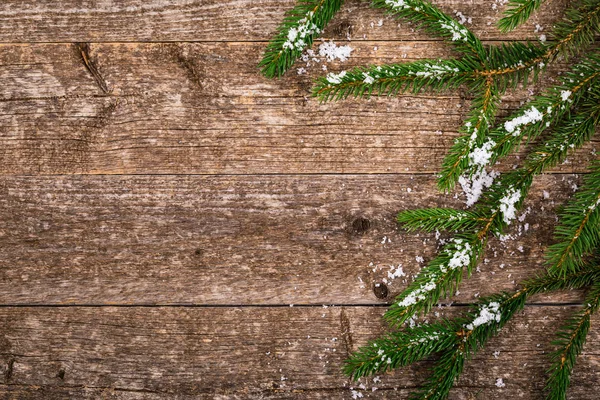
(238, 239)
(204, 109)
(202, 20)
(249, 353)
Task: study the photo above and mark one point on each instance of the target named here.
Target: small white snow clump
(529, 117)
(397, 3)
(396, 272)
(565, 94)
(508, 205)
(487, 313)
(332, 51)
(456, 31)
(335, 78)
(474, 186)
(296, 36)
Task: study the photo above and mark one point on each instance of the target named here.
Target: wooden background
(175, 226)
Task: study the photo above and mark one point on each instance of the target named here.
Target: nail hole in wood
(360, 225)
(344, 28)
(61, 374)
(380, 290)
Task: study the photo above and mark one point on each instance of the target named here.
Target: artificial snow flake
(487, 313)
(457, 32)
(529, 117)
(436, 71)
(332, 51)
(396, 272)
(335, 79)
(474, 186)
(508, 205)
(296, 36)
(565, 94)
(462, 256)
(397, 3)
(482, 155)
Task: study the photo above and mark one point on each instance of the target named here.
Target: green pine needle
(393, 79)
(399, 349)
(578, 234)
(557, 122)
(438, 279)
(517, 12)
(297, 32)
(570, 342)
(438, 219)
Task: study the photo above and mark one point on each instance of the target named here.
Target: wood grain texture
(230, 20)
(252, 353)
(205, 109)
(162, 204)
(239, 239)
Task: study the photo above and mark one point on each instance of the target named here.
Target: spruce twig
(297, 32)
(570, 342)
(560, 120)
(517, 12)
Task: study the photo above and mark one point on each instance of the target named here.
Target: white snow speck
(331, 51)
(508, 205)
(474, 186)
(529, 117)
(368, 79)
(565, 94)
(487, 313)
(335, 79)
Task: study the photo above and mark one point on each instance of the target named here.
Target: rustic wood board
(163, 205)
(230, 20)
(238, 239)
(204, 109)
(252, 352)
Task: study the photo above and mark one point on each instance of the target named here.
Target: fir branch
(570, 342)
(445, 371)
(461, 335)
(297, 32)
(402, 348)
(500, 205)
(510, 64)
(571, 36)
(571, 134)
(542, 112)
(438, 279)
(474, 132)
(579, 231)
(517, 12)
(436, 22)
(393, 79)
(486, 321)
(578, 28)
(442, 219)
(505, 197)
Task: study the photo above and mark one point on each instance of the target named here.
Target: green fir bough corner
(558, 121)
